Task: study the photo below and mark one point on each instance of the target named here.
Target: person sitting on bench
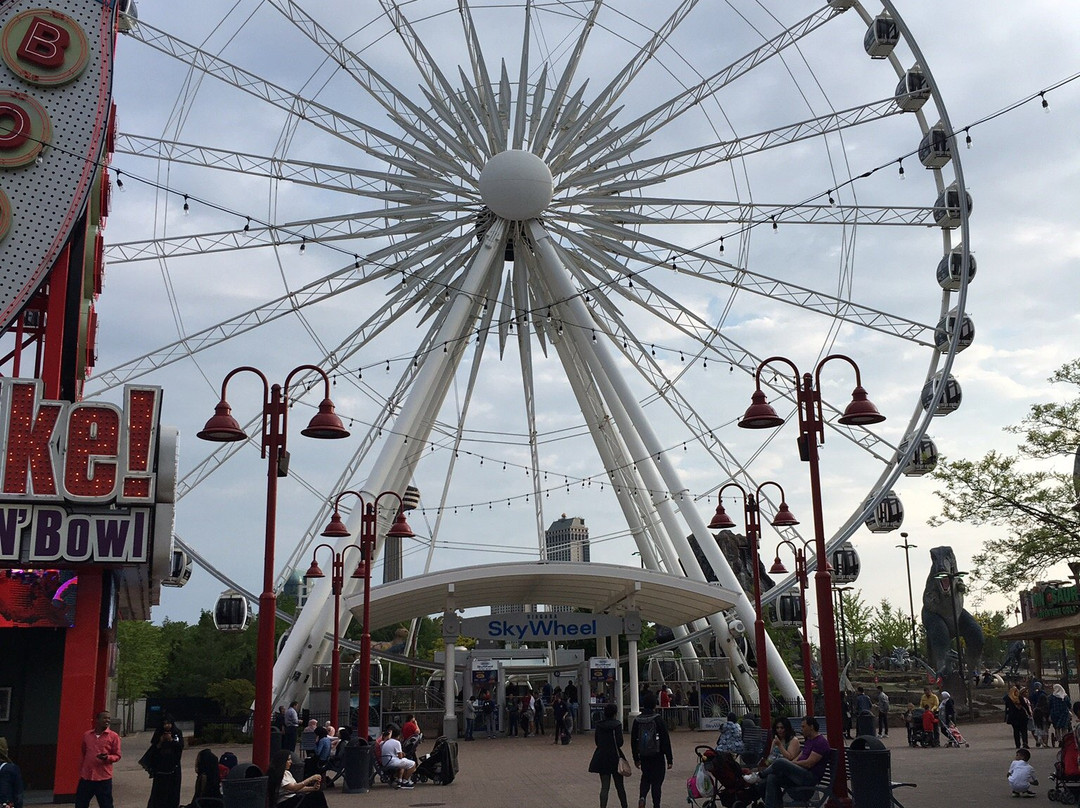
(393, 758)
(803, 772)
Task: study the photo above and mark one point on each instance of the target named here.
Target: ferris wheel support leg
(643, 443)
(392, 467)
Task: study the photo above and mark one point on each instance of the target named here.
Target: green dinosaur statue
(942, 599)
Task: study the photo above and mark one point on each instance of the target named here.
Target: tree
(891, 628)
(1023, 493)
(857, 626)
(234, 696)
(141, 657)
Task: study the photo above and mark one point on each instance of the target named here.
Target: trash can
(244, 787)
(870, 767)
(358, 767)
(864, 723)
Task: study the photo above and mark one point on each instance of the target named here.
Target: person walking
(292, 727)
(608, 753)
(100, 750)
(1060, 707)
(162, 760)
(560, 713)
(540, 706)
(882, 699)
(1017, 716)
(650, 745)
(488, 707)
(11, 782)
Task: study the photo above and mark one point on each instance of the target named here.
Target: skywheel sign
(542, 626)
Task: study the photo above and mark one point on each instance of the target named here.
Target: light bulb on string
(1045, 103)
(247, 224)
(303, 245)
(901, 164)
(119, 181)
(187, 207)
(967, 138)
(721, 245)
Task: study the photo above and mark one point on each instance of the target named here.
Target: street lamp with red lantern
(223, 428)
(752, 514)
(337, 581)
(859, 412)
(802, 577)
(336, 529)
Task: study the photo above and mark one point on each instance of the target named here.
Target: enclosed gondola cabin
(935, 148)
(943, 332)
(179, 569)
(913, 90)
(923, 460)
(950, 269)
(844, 561)
(231, 611)
(887, 516)
(947, 212)
(950, 398)
(881, 37)
(786, 610)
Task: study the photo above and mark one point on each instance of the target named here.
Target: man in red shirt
(411, 727)
(100, 750)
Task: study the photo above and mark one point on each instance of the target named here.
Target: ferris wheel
(539, 247)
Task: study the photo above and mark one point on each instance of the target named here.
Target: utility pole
(907, 547)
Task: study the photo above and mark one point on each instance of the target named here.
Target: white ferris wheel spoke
(655, 170)
(396, 103)
(393, 150)
(663, 114)
(655, 211)
(344, 279)
(414, 220)
(320, 175)
(612, 241)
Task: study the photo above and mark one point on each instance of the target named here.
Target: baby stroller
(440, 765)
(952, 736)
(410, 745)
(718, 780)
(1066, 774)
(917, 736)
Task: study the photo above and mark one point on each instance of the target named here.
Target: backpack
(648, 738)
(487, 707)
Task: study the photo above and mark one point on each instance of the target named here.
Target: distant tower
(567, 540)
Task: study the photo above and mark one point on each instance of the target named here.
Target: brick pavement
(533, 773)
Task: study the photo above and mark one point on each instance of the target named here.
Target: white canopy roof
(659, 597)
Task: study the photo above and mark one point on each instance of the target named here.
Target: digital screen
(37, 598)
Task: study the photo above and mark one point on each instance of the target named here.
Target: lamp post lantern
(801, 576)
(752, 514)
(223, 428)
(859, 412)
(336, 529)
(907, 547)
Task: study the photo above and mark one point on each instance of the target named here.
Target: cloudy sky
(1021, 171)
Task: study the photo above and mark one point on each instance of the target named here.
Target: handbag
(624, 764)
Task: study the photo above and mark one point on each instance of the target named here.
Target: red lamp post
(859, 412)
(337, 580)
(801, 576)
(223, 428)
(336, 529)
(752, 513)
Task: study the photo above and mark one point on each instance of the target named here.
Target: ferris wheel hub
(516, 185)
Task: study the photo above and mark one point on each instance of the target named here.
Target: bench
(817, 795)
(755, 743)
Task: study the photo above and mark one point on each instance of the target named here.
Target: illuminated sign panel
(79, 481)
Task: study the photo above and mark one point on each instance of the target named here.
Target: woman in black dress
(605, 760)
(164, 763)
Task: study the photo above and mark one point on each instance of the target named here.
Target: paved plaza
(534, 773)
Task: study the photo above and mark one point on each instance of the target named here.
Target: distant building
(567, 540)
(510, 608)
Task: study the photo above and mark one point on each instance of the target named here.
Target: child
(1022, 775)
(930, 724)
